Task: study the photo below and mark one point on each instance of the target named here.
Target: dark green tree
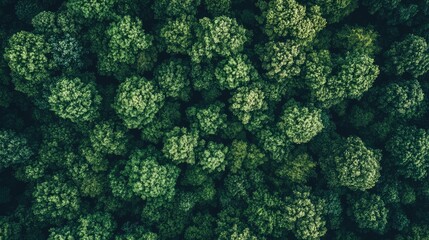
(369, 212)
(402, 100)
(127, 44)
(282, 61)
(109, 137)
(334, 11)
(360, 39)
(218, 8)
(166, 119)
(235, 71)
(134, 232)
(352, 164)
(149, 179)
(242, 155)
(213, 157)
(91, 10)
(246, 102)
(208, 120)
(408, 56)
(288, 18)
(298, 168)
(96, 226)
(14, 149)
(66, 52)
(218, 36)
(175, 8)
(173, 78)
(56, 199)
(300, 123)
(409, 150)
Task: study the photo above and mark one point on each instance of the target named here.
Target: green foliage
(408, 56)
(203, 78)
(300, 123)
(109, 137)
(214, 119)
(357, 74)
(149, 179)
(238, 231)
(218, 36)
(119, 185)
(334, 11)
(47, 22)
(173, 78)
(176, 34)
(14, 149)
(369, 212)
(307, 212)
(298, 168)
(96, 159)
(267, 214)
(282, 60)
(287, 18)
(134, 232)
(242, 155)
(397, 12)
(28, 56)
(212, 158)
(91, 10)
(180, 144)
(202, 227)
(25, 10)
(174, 8)
(218, 8)
(235, 71)
(96, 226)
(409, 149)
(333, 209)
(168, 219)
(8, 229)
(402, 100)
(399, 219)
(137, 101)
(275, 143)
(247, 101)
(166, 118)
(318, 68)
(361, 116)
(127, 43)
(358, 39)
(418, 232)
(44, 19)
(351, 164)
(208, 120)
(72, 99)
(55, 199)
(66, 52)
(63, 233)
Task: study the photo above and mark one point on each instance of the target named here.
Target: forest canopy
(214, 119)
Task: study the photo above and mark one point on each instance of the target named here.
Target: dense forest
(214, 119)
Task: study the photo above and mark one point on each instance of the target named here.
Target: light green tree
(300, 123)
(137, 101)
(72, 99)
(28, 56)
